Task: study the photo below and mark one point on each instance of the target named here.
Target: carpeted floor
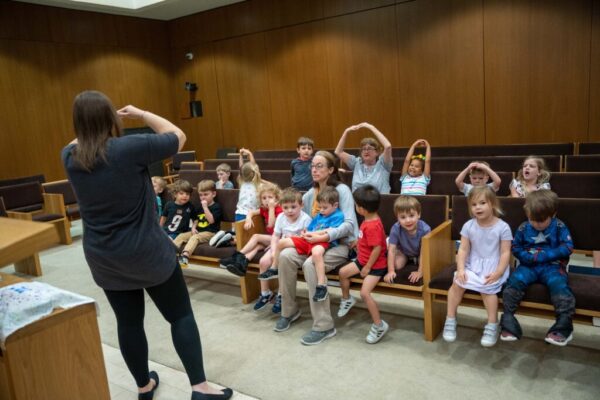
(242, 351)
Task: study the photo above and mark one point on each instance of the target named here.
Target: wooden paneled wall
(268, 71)
(455, 72)
(48, 55)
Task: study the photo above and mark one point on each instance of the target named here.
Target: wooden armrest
(19, 215)
(170, 179)
(242, 236)
(168, 167)
(54, 203)
(437, 250)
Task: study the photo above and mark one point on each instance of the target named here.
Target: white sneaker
(449, 334)
(490, 335)
(213, 240)
(345, 306)
(377, 332)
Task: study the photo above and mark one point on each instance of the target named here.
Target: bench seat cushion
(586, 289)
(204, 250)
(46, 217)
(29, 208)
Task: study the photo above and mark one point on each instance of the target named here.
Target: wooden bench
(589, 148)
(434, 212)
(584, 185)
(583, 163)
(575, 213)
(64, 188)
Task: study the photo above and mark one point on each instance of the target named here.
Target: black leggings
(173, 301)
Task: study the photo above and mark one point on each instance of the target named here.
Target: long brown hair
(95, 121)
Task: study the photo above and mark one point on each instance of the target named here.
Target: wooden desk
(57, 357)
(20, 241)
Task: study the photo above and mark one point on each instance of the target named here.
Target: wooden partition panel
(440, 48)
(537, 64)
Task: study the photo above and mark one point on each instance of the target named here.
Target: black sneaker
(269, 274)
(321, 293)
(239, 265)
(224, 262)
(183, 261)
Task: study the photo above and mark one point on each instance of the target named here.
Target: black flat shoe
(227, 393)
(149, 395)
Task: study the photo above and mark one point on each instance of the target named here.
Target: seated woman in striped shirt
(416, 171)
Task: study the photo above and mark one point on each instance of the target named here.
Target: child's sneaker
(271, 273)
(277, 306)
(263, 300)
(224, 240)
(345, 306)
(490, 335)
(321, 293)
(376, 332)
(213, 240)
(183, 261)
(506, 336)
(449, 334)
(558, 339)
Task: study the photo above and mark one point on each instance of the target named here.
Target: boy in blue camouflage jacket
(543, 246)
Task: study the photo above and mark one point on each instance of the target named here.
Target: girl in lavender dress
(481, 262)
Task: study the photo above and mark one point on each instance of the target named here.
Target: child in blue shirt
(301, 177)
(313, 242)
(543, 246)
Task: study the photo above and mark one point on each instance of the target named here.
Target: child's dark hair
(367, 197)
(182, 186)
(290, 195)
(540, 205)
(304, 141)
(328, 195)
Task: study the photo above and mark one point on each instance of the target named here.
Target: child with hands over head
(370, 263)
(313, 241)
(531, 177)
(405, 238)
(481, 262)
(374, 164)
(542, 245)
(479, 175)
(416, 170)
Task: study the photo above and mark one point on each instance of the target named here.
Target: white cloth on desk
(25, 302)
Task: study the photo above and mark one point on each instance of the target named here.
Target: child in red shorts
(313, 241)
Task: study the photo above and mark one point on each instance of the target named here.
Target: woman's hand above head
(130, 112)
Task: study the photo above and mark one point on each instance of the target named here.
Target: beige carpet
(242, 351)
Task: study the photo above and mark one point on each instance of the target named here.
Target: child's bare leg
(256, 239)
(282, 244)
(596, 256)
(317, 258)
(401, 260)
(263, 265)
(346, 272)
(369, 283)
(491, 306)
(455, 295)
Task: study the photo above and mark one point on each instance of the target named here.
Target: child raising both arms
(370, 263)
(531, 177)
(479, 175)
(405, 238)
(416, 170)
(542, 245)
(481, 262)
(313, 241)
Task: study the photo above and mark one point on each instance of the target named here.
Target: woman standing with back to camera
(123, 244)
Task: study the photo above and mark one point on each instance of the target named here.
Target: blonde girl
(481, 262)
(534, 175)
